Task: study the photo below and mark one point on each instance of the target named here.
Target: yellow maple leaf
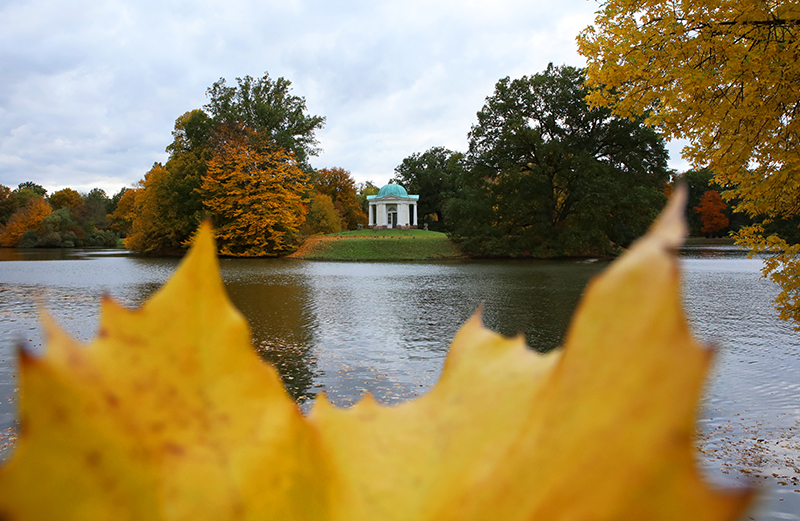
(169, 414)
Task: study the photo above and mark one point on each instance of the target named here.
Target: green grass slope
(379, 245)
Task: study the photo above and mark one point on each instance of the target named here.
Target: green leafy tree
(551, 177)
(168, 208)
(92, 215)
(433, 175)
(33, 187)
(57, 230)
(6, 204)
(267, 109)
(362, 191)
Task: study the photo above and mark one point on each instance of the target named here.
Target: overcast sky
(90, 89)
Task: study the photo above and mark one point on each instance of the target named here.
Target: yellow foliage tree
(122, 219)
(66, 198)
(724, 75)
(26, 218)
(256, 195)
(322, 216)
(338, 184)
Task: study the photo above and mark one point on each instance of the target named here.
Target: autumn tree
(27, 218)
(169, 206)
(340, 187)
(434, 176)
(255, 195)
(258, 113)
(549, 176)
(711, 209)
(723, 75)
(322, 216)
(121, 219)
(65, 198)
(159, 226)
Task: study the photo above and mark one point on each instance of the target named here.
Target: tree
(711, 209)
(723, 75)
(6, 204)
(92, 214)
(433, 175)
(65, 198)
(362, 191)
(339, 186)
(169, 207)
(33, 187)
(161, 224)
(27, 218)
(551, 177)
(322, 216)
(121, 220)
(265, 108)
(255, 195)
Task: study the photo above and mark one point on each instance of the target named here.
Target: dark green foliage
(6, 204)
(92, 214)
(265, 107)
(433, 175)
(33, 187)
(550, 177)
(699, 182)
(30, 239)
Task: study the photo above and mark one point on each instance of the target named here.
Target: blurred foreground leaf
(171, 415)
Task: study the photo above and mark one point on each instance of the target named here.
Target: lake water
(347, 328)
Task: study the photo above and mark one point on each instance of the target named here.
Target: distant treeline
(544, 175)
(29, 218)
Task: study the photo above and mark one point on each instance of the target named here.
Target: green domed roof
(392, 189)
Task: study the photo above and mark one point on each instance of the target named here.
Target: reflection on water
(347, 328)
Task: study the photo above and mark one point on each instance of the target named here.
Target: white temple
(392, 207)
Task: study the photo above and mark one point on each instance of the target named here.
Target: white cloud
(90, 90)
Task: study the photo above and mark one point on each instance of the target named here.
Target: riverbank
(379, 245)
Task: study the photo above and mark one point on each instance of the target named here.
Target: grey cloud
(90, 90)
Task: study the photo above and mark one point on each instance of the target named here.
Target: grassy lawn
(388, 233)
(379, 245)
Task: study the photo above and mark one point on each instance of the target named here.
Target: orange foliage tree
(122, 218)
(256, 195)
(710, 209)
(26, 218)
(338, 184)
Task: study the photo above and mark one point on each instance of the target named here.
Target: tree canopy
(434, 176)
(551, 177)
(724, 75)
(267, 108)
(256, 198)
(258, 114)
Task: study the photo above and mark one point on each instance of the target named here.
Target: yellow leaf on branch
(171, 415)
